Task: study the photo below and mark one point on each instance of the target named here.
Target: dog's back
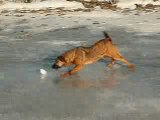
(102, 48)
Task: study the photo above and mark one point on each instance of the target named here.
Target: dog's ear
(61, 58)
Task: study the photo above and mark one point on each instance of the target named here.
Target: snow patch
(99, 0)
(131, 3)
(72, 4)
(40, 5)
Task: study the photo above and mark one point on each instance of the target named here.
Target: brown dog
(81, 56)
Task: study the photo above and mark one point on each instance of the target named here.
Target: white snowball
(42, 71)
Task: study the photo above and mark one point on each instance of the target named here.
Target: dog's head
(60, 62)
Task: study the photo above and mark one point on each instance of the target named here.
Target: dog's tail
(106, 36)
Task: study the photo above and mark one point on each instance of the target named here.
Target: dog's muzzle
(54, 66)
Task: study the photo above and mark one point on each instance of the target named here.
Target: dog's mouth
(54, 66)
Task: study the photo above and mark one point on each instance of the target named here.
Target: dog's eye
(61, 58)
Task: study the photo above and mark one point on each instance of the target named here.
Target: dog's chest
(89, 62)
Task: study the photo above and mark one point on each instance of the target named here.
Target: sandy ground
(30, 41)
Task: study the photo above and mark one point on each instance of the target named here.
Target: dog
(81, 56)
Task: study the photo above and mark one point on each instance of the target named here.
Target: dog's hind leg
(122, 59)
(74, 70)
(112, 63)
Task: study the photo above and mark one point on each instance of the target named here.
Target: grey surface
(94, 93)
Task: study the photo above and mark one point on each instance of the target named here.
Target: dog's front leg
(74, 70)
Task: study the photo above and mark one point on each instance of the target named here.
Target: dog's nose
(54, 66)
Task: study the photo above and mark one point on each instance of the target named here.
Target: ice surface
(28, 44)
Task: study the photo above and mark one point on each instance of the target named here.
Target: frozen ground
(29, 42)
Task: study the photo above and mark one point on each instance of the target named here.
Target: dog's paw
(110, 65)
(131, 66)
(65, 75)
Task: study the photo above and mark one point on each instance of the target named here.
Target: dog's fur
(81, 56)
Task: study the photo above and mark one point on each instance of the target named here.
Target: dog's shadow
(75, 81)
